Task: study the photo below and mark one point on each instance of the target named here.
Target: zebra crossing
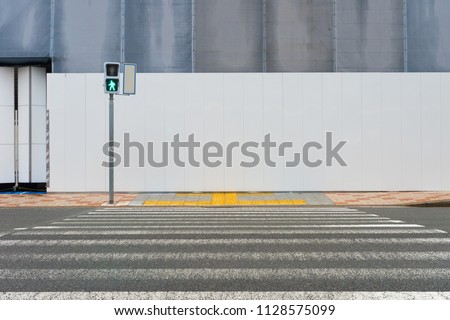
(225, 249)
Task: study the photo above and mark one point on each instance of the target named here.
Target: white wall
(396, 126)
(6, 125)
(32, 105)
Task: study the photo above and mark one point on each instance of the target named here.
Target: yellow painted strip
(250, 194)
(231, 199)
(203, 203)
(181, 194)
(291, 202)
(224, 199)
(191, 203)
(218, 199)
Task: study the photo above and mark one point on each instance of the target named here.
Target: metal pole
(16, 150)
(111, 146)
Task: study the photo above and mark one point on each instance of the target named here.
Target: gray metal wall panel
(158, 35)
(428, 35)
(24, 28)
(228, 36)
(299, 36)
(87, 33)
(370, 35)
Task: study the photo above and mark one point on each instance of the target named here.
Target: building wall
(24, 28)
(299, 36)
(87, 33)
(6, 125)
(158, 35)
(369, 36)
(395, 125)
(428, 36)
(229, 36)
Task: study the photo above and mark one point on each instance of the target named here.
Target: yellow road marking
(231, 199)
(223, 199)
(193, 194)
(218, 199)
(250, 194)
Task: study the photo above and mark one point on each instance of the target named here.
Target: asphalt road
(225, 249)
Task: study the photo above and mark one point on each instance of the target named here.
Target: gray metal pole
(111, 146)
(16, 150)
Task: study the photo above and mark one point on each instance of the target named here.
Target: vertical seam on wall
(405, 36)
(341, 105)
(402, 181)
(264, 21)
(47, 147)
(122, 31)
(203, 124)
(30, 122)
(421, 133)
(282, 123)
(223, 124)
(243, 125)
(85, 135)
(52, 31)
(334, 37)
(440, 131)
(193, 36)
(263, 122)
(322, 178)
(184, 125)
(382, 136)
(361, 132)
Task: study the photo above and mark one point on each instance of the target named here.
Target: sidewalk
(227, 199)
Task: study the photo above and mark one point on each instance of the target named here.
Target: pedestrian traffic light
(112, 73)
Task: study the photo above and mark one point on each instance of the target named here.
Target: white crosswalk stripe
(195, 249)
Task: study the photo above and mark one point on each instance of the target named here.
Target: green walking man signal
(112, 85)
(112, 74)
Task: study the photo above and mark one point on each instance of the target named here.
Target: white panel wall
(394, 124)
(6, 125)
(411, 124)
(445, 130)
(431, 131)
(333, 176)
(233, 113)
(352, 131)
(32, 83)
(253, 126)
(372, 133)
(214, 126)
(391, 113)
(292, 127)
(174, 120)
(313, 128)
(154, 127)
(273, 124)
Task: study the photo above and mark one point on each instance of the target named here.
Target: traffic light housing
(112, 76)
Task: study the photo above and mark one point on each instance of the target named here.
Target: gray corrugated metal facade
(299, 35)
(229, 35)
(158, 35)
(85, 36)
(25, 28)
(369, 35)
(428, 35)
